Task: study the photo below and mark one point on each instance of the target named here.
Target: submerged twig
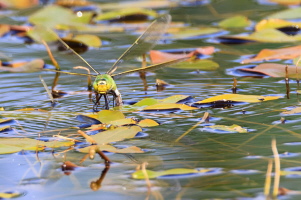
(204, 118)
(89, 81)
(267, 184)
(53, 60)
(234, 87)
(47, 90)
(277, 169)
(287, 83)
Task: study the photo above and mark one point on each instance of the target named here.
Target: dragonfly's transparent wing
(145, 42)
(150, 68)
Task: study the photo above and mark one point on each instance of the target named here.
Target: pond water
(238, 161)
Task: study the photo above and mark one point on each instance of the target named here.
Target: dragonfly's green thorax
(104, 83)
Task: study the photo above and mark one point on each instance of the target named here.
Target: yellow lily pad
(197, 64)
(239, 98)
(168, 106)
(291, 13)
(89, 40)
(107, 116)
(232, 128)
(147, 123)
(293, 111)
(274, 24)
(177, 171)
(189, 32)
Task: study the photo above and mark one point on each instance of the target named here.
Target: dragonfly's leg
(118, 98)
(106, 101)
(96, 103)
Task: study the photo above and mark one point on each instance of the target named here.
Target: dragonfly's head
(103, 84)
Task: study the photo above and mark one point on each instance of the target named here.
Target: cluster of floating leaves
(111, 126)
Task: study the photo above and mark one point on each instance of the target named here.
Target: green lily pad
(12, 145)
(291, 13)
(197, 64)
(107, 116)
(146, 102)
(189, 32)
(116, 14)
(238, 21)
(117, 134)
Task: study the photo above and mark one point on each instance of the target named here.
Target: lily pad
(196, 64)
(238, 98)
(190, 32)
(232, 128)
(31, 66)
(126, 13)
(274, 24)
(291, 13)
(168, 106)
(238, 21)
(12, 145)
(107, 116)
(275, 70)
(140, 174)
(265, 35)
(117, 134)
(293, 111)
(110, 148)
(270, 54)
(147, 123)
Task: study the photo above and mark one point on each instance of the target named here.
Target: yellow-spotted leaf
(232, 128)
(140, 174)
(110, 148)
(239, 98)
(238, 21)
(147, 123)
(117, 134)
(168, 106)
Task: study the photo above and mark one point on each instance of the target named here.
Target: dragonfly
(104, 84)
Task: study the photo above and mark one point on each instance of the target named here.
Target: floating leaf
(5, 128)
(265, 35)
(174, 98)
(89, 40)
(20, 4)
(168, 106)
(293, 111)
(31, 66)
(9, 195)
(270, 54)
(178, 171)
(147, 123)
(196, 64)
(139, 4)
(160, 57)
(238, 21)
(275, 23)
(121, 122)
(238, 98)
(146, 102)
(4, 28)
(107, 116)
(5, 120)
(12, 145)
(291, 13)
(127, 13)
(287, 2)
(232, 128)
(118, 134)
(189, 32)
(110, 148)
(52, 16)
(275, 70)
